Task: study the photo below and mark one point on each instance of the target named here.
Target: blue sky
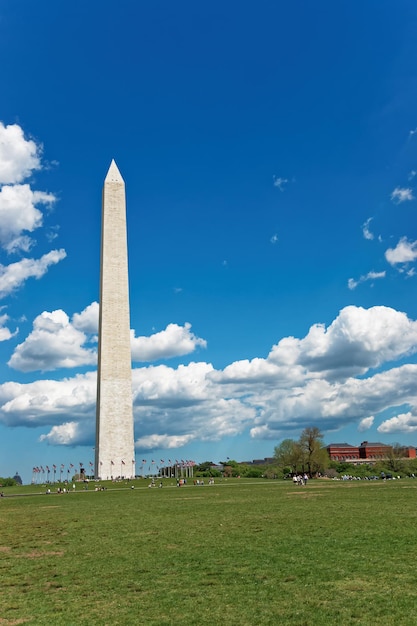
(269, 152)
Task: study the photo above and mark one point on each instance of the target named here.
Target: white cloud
(57, 342)
(6, 333)
(185, 386)
(259, 372)
(402, 194)
(366, 423)
(279, 182)
(365, 229)
(334, 404)
(403, 423)
(48, 401)
(53, 343)
(14, 275)
(274, 239)
(404, 252)
(64, 434)
(19, 204)
(357, 340)
(18, 213)
(173, 341)
(87, 320)
(352, 283)
(162, 442)
(413, 132)
(18, 156)
(412, 174)
(319, 377)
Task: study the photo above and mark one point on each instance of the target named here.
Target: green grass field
(236, 553)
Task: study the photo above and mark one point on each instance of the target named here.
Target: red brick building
(342, 452)
(409, 452)
(374, 451)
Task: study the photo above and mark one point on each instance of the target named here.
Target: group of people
(300, 479)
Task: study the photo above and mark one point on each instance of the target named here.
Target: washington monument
(115, 453)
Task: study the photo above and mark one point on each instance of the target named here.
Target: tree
(395, 459)
(315, 457)
(288, 454)
(7, 482)
(206, 469)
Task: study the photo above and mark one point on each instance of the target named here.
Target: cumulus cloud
(87, 320)
(326, 376)
(19, 213)
(14, 275)
(355, 341)
(63, 435)
(162, 442)
(48, 402)
(53, 343)
(274, 239)
(172, 407)
(366, 423)
(259, 372)
(404, 252)
(403, 423)
(20, 208)
(19, 156)
(334, 404)
(177, 388)
(402, 194)
(173, 341)
(57, 342)
(6, 333)
(352, 283)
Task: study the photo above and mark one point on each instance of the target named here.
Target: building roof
(340, 445)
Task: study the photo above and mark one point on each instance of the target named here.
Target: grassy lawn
(237, 553)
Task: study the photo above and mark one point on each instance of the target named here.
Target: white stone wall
(114, 422)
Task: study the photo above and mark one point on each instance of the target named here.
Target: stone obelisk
(114, 454)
